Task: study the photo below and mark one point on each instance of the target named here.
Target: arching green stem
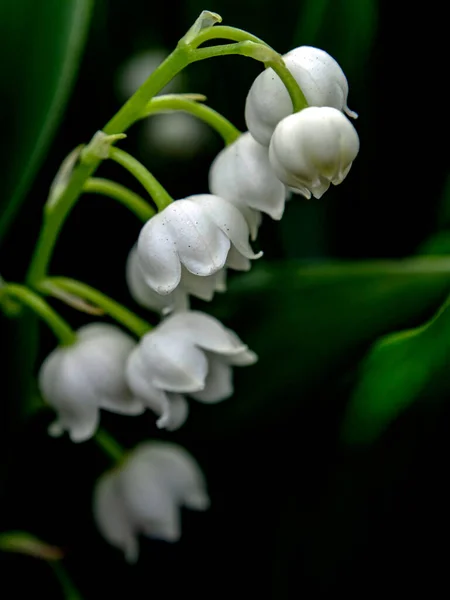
(135, 203)
(27, 297)
(119, 313)
(156, 191)
(174, 102)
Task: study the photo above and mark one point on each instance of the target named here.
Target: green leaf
(310, 323)
(23, 542)
(40, 45)
(398, 370)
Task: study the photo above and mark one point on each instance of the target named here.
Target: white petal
(221, 281)
(236, 261)
(121, 405)
(146, 296)
(142, 386)
(241, 173)
(229, 219)
(178, 411)
(202, 287)
(158, 255)
(177, 471)
(219, 382)
(203, 331)
(150, 504)
(173, 362)
(201, 245)
(111, 516)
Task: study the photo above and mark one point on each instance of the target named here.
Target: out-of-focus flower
(138, 68)
(144, 495)
(177, 135)
(313, 148)
(80, 379)
(200, 287)
(241, 173)
(320, 78)
(203, 233)
(187, 353)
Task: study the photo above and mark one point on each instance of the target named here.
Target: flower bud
(320, 78)
(241, 173)
(313, 148)
(80, 379)
(203, 233)
(145, 494)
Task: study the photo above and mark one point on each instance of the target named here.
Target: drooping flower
(200, 287)
(79, 380)
(188, 353)
(320, 78)
(203, 233)
(313, 148)
(241, 173)
(144, 495)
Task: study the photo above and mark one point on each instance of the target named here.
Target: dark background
(294, 514)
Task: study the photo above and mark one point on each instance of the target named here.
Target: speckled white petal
(172, 361)
(219, 382)
(144, 295)
(229, 219)
(202, 246)
(158, 256)
(241, 173)
(111, 516)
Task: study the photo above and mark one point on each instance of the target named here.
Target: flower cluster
(185, 250)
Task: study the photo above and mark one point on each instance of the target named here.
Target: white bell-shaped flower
(144, 495)
(313, 148)
(200, 287)
(80, 379)
(320, 78)
(187, 353)
(203, 233)
(241, 173)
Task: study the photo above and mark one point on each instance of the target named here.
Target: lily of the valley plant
(299, 140)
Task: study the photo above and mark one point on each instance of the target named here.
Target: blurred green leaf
(40, 45)
(395, 373)
(436, 245)
(310, 20)
(344, 28)
(309, 323)
(26, 543)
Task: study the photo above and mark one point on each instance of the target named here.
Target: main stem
(55, 216)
